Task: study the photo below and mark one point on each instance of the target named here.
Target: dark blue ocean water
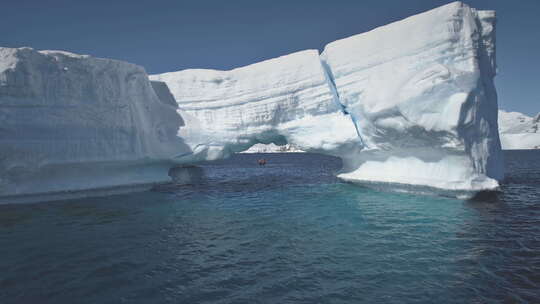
(286, 233)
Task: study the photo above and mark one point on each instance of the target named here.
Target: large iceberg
(288, 99)
(519, 131)
(418, 93)
(73, 122)
(412, 102)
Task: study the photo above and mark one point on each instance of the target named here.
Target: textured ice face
(422, 97)
(283, 100)
(75, 122)
(412, 102)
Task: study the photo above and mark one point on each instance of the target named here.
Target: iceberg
(283, 100)
(422, 97)
(412, 102)
(73, 122)
(519, 131)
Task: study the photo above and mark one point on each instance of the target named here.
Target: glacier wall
(412, 102)
(74, 122)
(422, 97)
(283, 100)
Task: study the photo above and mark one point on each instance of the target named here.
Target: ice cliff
(272, 148)
(283, 100)
(412, 102)
(422, 97)
(73, 122)
(519, 131)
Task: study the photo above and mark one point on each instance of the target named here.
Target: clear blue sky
(166, 35)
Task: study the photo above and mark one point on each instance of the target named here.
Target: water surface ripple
(286, 233)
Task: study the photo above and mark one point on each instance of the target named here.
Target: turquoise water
(289, 232)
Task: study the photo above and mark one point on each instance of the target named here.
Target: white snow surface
(74, 122)
(412, 102)
(519, 131)
(422, 96)
(272, 148)
(283, 100)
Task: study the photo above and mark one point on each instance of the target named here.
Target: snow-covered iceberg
(422, 97)
(73, 122)
(519, 131)
(412, 102)
(289, 99)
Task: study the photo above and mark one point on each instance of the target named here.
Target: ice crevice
(409, 103)
(332, 84)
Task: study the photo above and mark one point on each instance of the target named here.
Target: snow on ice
(412, 102)
(519, 131)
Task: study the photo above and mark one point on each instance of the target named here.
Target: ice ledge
(450, 173)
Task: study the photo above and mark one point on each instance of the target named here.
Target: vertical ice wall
(418, 94)
(422, 97)
(412, 102)
(71, 122)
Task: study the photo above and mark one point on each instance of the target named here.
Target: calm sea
(289, 232)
